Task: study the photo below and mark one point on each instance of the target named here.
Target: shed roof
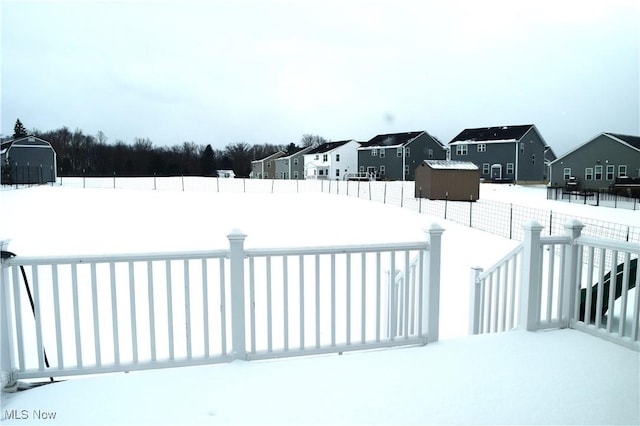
(451, 165)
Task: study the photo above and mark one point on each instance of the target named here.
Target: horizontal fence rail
(582, 282)
(73, 315)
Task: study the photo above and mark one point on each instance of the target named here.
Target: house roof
(297, 151)
(452, 165)
(391, 139)
(328, 146)
(493, 134)
(634, 141)
(277, 154)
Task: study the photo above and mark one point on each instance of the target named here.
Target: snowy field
(557, 377)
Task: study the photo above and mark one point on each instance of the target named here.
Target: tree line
(80, 154)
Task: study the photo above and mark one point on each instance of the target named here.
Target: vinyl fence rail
(76, 315)
(582, 282)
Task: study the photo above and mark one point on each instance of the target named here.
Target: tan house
(447, 180)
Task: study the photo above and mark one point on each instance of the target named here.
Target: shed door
(496, 171)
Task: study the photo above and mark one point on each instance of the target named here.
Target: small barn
(447, 180)
(27, 160)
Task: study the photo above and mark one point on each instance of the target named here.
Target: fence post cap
(236, 234)
(533, 225)
(573, 223)
(434, 228)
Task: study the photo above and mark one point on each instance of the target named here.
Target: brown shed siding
(451, 182)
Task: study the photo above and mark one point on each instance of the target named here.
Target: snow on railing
(581, 282)
(76, 315)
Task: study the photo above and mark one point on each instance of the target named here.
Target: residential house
(332, 160)
(226, 174)
(597, 163)
(395, 156)
(28, 160)
(291, 166)
(447, 180)
(266, 167)
(504, 153)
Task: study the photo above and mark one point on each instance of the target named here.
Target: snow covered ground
(555, 377)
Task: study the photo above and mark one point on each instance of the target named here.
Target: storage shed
(447, 180)
(27, 160)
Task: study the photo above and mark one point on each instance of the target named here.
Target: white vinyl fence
(72, 315)
(582, 282)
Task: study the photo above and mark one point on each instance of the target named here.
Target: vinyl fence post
(236, 260)
(474, 301)
(433, 281)
(7, 366)
(573, 229)
(531, 279)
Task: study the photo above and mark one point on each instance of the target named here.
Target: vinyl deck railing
(76, 315)
(586, 283)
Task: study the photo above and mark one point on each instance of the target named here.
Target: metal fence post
(433, 281)
(573, 228)
(531, 279)
(236, 259)
(474, 301)
(7, 366)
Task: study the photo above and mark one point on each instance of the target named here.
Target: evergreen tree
(19, 130)
(207, 161)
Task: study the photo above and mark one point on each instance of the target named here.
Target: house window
(533, 159)
(407, 151)
(622, 170)
(588, 173)
(509, 168)
(399, 152)
(374, 152)
(325, 157)
(461, 149)
(382, 170)
(361, 169)
(295, 174)
(485, 168)
(268, 164)
(382, 152)
(521, 147)
(482, 147)
(337, 172)
(598, 172)
(406, 170)
(295, 161)
(430, 154)
(317, 157)
(566, 173)
(610, 172)
(337, 157)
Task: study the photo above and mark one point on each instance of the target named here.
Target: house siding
(600, 151)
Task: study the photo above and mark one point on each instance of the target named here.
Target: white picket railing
(109, 313)
(561, 281)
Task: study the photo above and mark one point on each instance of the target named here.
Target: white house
(332, 160)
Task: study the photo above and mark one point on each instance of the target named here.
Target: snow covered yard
(513, 377)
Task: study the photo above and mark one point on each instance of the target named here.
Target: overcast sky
(221, 72)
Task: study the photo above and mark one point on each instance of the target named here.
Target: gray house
(504, 153)
(597, 163)
(291, 165)
(28, 160)
(395, 156)
(266, 167)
